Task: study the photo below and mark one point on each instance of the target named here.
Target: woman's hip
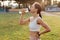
(34, 35)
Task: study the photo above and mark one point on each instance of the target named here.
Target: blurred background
(15, 5)
(10, 29)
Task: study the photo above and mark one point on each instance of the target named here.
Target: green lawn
(11, 30)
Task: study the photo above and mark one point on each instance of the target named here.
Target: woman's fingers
(23, 11)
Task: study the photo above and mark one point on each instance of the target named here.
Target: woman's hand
(23, 11)
(38, 33)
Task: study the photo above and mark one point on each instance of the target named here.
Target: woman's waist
(34, 33)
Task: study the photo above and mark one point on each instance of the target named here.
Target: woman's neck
(35, 15)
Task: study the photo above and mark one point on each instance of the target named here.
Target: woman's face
(33, 10)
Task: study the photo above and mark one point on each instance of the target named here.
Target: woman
(34, 22)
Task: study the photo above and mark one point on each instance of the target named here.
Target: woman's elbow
(48, 30)
(21, 23)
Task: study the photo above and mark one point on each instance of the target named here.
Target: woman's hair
(37, 6)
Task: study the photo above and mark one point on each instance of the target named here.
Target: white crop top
(33, 26)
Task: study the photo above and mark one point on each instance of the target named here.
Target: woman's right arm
(22, 20)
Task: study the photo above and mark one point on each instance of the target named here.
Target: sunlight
(58, 0)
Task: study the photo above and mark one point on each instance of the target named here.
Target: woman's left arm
(47, 29)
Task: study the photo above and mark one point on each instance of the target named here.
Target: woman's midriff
(34, 33)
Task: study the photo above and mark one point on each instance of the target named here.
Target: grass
(11, 30)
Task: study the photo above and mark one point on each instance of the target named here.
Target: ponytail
(37, 6)
(40, 15)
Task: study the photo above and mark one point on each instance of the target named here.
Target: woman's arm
(22, 20)
(47, 29)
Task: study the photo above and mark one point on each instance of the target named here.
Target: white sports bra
(33, 26)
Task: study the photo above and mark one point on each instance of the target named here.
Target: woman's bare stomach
(34, 33)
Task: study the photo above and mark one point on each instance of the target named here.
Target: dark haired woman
(34, 22)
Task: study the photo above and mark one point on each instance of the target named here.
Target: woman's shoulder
(39, 18)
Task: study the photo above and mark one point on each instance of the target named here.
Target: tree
(59, 4)
(25, 2)
(29, 1)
